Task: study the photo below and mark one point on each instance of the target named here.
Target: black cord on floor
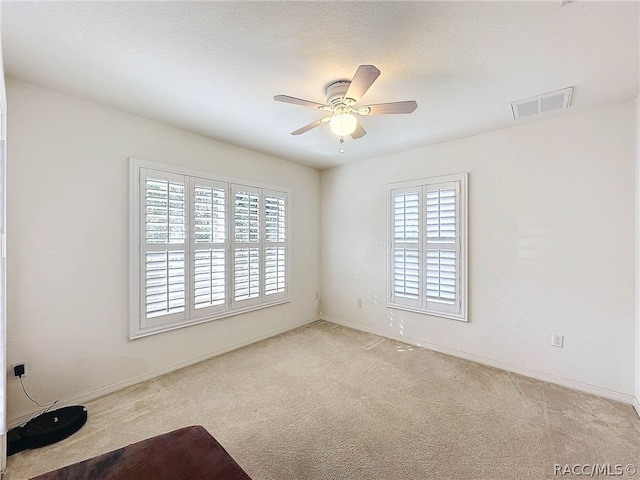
(47, 406)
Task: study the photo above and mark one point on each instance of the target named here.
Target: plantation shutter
(442, 246)
(246, 245)
(163, 249)
(427, 246)
(202, 248)
(275, 251)
(209, 246)
(406, 247)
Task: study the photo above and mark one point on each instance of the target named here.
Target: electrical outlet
(359, 302)
(19, 369)
(557, 340)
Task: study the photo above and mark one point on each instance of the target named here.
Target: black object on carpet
(45, 429)
(189, 453)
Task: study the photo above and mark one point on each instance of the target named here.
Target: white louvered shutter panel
(246, 244)
(428, 246)
(405, 247)
(163, 294)
(442, 247)
(209, 246)
(275, 251)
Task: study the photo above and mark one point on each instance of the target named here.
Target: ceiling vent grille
(542, 103)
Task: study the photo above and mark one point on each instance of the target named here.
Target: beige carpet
(328, 402)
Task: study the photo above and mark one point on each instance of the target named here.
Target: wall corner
(637, 259)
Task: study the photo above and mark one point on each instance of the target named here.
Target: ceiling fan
(342, 99)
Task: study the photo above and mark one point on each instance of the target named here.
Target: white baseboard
(546, 377)
(636, 405)
(107, 389)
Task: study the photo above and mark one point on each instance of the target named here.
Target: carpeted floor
(328, 402)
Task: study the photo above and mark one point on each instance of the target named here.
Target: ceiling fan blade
(393, 107)
(298, 101)
(306, 128)
(362, 80)
(358, 132)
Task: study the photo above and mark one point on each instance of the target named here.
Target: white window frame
(139, 324)
(422, 304)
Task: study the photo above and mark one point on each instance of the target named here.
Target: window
(203, 248)
(427, 266)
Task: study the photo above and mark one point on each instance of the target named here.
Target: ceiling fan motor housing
(336, 92)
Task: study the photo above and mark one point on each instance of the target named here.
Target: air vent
(542, 103)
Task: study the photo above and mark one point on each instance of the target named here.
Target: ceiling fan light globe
(343, 124)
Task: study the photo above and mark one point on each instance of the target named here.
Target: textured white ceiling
(214, 67)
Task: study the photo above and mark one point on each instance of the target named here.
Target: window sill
(451, 316)
(140, 333)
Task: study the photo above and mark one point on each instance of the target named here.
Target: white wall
(67, 251)
(551, 248)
